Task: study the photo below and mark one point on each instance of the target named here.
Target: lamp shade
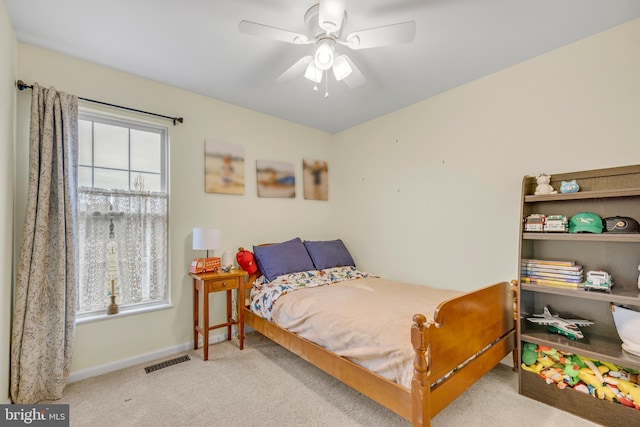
(206, 239)
(313, 73)
(341, 67)
(324, 54)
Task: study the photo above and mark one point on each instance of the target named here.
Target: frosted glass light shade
(313, 73)
(341, 68)
(206, 239)
(324, 54)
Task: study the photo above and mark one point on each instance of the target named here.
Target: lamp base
(113, 307)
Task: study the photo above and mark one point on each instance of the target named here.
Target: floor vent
(166, 363)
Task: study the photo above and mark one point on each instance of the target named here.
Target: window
(123, 214)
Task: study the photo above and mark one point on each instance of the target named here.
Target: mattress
(363, 318)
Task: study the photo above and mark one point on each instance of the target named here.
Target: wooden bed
(464, 325)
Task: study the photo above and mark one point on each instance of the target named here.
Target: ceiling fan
(324, 22)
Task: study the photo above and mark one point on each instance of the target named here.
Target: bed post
(420, 387)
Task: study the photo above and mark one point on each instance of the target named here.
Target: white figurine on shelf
(543, 185)
(639, 277)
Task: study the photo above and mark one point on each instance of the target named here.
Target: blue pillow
(282, 258)
(329, 253)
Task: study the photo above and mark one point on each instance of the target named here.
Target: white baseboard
(94, 371)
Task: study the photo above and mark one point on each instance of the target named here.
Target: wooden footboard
(479, 321)
(463, 326)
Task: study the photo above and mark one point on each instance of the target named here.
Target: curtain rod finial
(22, 85)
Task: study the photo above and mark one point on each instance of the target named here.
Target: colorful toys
(600, 379)
(546, 223)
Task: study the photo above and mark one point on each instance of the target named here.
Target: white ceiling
(196, 45)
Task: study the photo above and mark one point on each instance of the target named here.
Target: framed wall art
(315, 179)
(275, 179)
(223, 168)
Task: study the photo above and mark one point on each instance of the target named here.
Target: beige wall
(428, 194)
(436, 186)
(8, 48)
(244, 220)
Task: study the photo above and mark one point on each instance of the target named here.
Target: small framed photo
(315, 178)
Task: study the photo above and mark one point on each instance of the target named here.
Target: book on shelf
(549, 262)
(558, 279)
(551, 273)
(553, 277)
(552, 283)
(550, 265)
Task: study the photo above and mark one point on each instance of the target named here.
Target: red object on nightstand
(246, 261)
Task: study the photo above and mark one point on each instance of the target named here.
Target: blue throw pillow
(329, 253)
(283, 258)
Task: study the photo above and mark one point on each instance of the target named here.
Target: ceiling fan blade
(356, 78)
(331, 15)
(261, 30)
(296, 70)
(403, 32)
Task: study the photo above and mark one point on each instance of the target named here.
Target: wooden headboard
(251, 277)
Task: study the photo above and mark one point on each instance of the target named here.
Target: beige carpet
(265, 385)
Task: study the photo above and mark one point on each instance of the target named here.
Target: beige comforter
(367, 321)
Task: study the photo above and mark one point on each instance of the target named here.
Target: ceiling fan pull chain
(326, 85)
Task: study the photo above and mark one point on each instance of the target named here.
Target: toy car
(598, 280)
(556, 224)
(534, 222)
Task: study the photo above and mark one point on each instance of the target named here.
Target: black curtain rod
(22, 86)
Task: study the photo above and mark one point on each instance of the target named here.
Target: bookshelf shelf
(617, 296)
(583, 195)
(591, 346)
(605, 192)
(633, 238)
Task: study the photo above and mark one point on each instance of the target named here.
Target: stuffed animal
(632, 392)
(529, 354)
(571, 370)
(569, 186)
(543, 186)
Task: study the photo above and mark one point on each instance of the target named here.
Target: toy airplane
(566, 327)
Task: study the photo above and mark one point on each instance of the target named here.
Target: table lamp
(206, 239)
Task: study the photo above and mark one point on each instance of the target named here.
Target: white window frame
(133, 123)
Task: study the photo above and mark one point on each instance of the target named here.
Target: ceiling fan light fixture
(313, 73)
(341, 67)
(323, 57)
(331, 15)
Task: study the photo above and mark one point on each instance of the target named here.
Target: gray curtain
(44, 310)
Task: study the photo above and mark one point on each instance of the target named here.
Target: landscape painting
(275, 179)
(223, 168)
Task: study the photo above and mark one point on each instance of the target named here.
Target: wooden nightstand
(206, 283)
